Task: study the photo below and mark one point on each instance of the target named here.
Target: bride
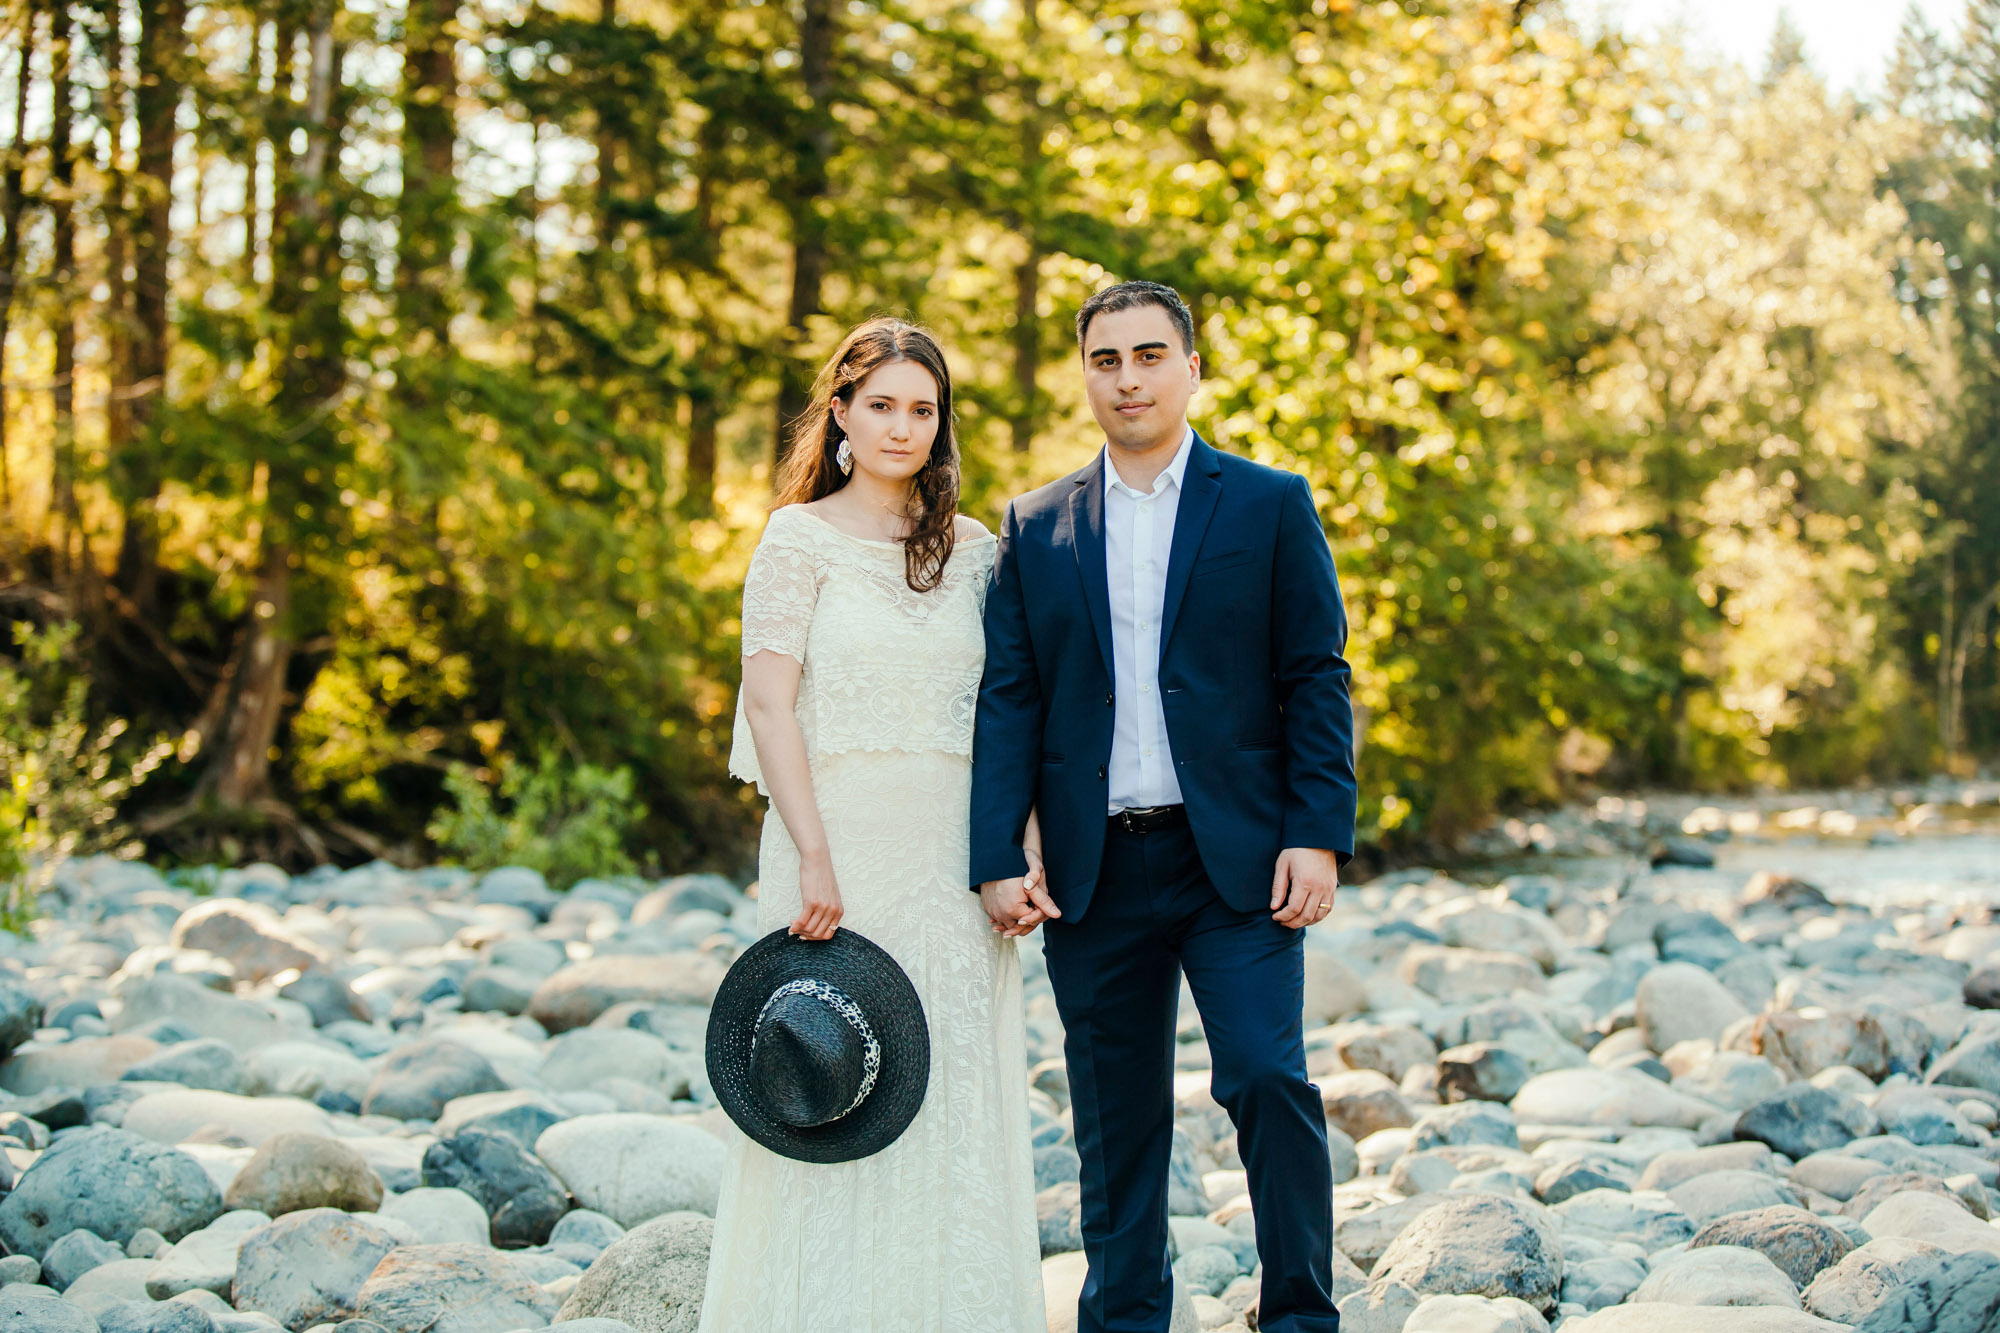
(862, 653)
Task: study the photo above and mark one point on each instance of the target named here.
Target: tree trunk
(72, 556)
(1027, 346)
(156, 100)
(13, 207)
(308, 300)
(424, 222)
(809, 188)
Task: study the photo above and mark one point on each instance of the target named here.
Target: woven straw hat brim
(879, 987)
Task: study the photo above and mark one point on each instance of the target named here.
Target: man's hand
(1302, 889)
(1017, 906)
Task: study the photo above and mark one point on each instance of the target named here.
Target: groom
(1165, 689)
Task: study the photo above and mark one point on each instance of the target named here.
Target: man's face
(1139, 377)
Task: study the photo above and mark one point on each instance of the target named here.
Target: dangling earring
(844, 457)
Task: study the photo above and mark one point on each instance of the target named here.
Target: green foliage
(569, 821)
(62, 774)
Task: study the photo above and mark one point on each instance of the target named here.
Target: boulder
(1466, 976)
(1681, 1002)
(1464, 1123)
(1479, 1244)
(1960, 1294)
(202, 1011)
(1362, 1101)
(201, 1063)
(77, 1063)
(1591, 1096)
(1669, 1317)
(1488, 1071)
(1596, 1283)
(20, 1015)
(522, 1197)
(1799, 1243)
(1671, 1168)
(1059, 1218)
(1849, 1291)
(111, 1182)
(174, 1116)
(1718, 1193)
(1803, 1119)
(1925, 1217)
(414, 1082)
(1332, 991)
(248, 934)
(1380, 1307)
(633, 1167)
(1474, 1314)
(24, 1309)
(1719, 1275)
(1391, 1049)
(1973, 1063)
(204, 1260)
(585, 1057)
(308, 1267)
(1647, 1219)
(575, 995)
(290, 1172)
(652, 1278)
(451, 1289)
(75, 1254)
(440, 1216)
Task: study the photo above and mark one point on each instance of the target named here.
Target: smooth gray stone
(23, 1310)
(74, 1254)
(110, 1182)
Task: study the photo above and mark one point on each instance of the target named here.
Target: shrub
(569, 822)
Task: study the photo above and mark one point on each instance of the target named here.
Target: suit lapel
(1201, 489)
(1086, 521)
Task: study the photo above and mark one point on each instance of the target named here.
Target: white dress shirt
(1138, 536)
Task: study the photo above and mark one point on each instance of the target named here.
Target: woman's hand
(820, 897)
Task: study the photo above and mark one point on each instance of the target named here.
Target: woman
(862, 652)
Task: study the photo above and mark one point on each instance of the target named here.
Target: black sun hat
(818, 1049)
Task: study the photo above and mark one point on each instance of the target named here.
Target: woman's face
(891, 421)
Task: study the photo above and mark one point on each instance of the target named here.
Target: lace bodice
(884, 667)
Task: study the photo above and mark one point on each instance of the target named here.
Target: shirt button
(1149, 754)
(1145, 689)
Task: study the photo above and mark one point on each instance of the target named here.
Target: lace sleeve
(780, 590)
(779, 594)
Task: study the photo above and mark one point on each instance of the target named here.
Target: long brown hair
(809, 471)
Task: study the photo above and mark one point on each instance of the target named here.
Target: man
(1165, 690)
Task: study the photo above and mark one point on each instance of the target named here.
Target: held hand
(1004, 901)
(1040, 907)
(1302, 888)
(820, 895)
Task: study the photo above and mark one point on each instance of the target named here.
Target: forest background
(390, 389)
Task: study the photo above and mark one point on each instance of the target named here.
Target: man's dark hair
(1125, 296)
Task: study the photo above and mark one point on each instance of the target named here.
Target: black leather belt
(1151, 819)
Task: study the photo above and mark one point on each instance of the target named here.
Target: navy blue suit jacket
(1252, 681)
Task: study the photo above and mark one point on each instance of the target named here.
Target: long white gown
(936, 1232)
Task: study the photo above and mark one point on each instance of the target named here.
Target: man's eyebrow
(1113, 351)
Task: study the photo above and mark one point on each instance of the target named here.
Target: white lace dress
(937, 1231)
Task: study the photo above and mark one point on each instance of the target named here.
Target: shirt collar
(1176, 471)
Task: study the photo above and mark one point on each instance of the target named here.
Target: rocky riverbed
(1674, 1067)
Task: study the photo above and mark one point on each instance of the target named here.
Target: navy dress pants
(1116, 975)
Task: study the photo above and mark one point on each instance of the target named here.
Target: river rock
(439, 1215)
(1924, 1118)
(1592, 1096)
(111, 1284)
(451, 1289)
(414, 1082)
(290, 1172)
(1481, 1071)
(201, 1063)
(1475, 1314)
(24, 1311)
(1880, 1188)
(1719, 1275)
(175, 1116)
(1563, 1180)
(1362, 1101)
(111, 1182)
(651, 1278)
(1669, 1169)
(1804, 1119)
(1380, 1307)
(177, 1316)
(1648, 1219)
(1681, 1002)
(308, 1267)
(1332, 991)
(1465, 976)
(1596, 1283)
(1925, 1217)
(328, 998)
(248, 934)
(1732, 1080)
(1479, 1244)
(20, 1014)
(522, 1197)
(585, 1057)
(204, 1260)
(77, 1063)
(204, 1012)
(1462, 1124)
(1973, 1063)
(633, 1167)
(1718, 1193)
(1960, 1294)
(578, 993)
(69, 1257)
(307, 1068)
(1849, 1291)
(1392, 1049)
(1671, 1317)
(1799, 1243)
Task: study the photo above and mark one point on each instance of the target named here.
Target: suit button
(1109, 700)
(1102, 772)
